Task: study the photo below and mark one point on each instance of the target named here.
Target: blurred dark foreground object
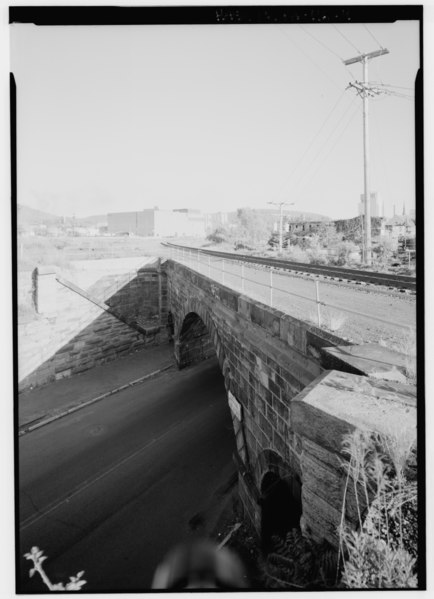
(200, 565)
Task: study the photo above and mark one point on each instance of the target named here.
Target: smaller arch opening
(280, 506)
(195, 343)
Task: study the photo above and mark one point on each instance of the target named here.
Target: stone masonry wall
(332, 407)
(266, 357)
(271, 364)
(77, 334)
(139, 299)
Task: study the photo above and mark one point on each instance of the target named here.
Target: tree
(252, 227)
(344, 249)
(219, 235)
(328, 235)
(384, 250)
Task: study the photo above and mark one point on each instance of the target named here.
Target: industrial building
(152, 222)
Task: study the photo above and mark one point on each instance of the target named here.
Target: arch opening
(280, 508)
(194, 341)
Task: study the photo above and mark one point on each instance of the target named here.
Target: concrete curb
(27, 429)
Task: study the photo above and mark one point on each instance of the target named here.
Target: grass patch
(382, 552)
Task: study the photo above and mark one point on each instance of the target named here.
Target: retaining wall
(70, 334)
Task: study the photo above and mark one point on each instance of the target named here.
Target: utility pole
(281, 205)
(365, 91)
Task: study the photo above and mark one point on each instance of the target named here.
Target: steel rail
(313, 300)
(375, 278)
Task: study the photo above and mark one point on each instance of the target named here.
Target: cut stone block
(369, 359)
(336, 403)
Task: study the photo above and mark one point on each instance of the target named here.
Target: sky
(211, 117)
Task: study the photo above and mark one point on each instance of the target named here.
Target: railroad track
(392, 281)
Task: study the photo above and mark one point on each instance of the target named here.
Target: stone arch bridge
(294, 391)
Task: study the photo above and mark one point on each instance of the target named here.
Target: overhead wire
(326, 47)
(283, 31)
(379, 89)
(312, 141)
(302, 180)
(373, 37)
(391, 85)
(398, 95)
(345, 38)
(320, 42)
(315, 137)
(330, 151)
(322, 147)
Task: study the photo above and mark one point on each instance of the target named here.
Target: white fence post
(318, 308)
(271, 287)
(242, 277)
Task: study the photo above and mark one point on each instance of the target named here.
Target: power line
(398, 95)
(345, 38)
(373, 37)
(309, 58)
(350, 71)
(372, 90)
(325, 46)
(391, 85)
(321, 164)
(320, 42)
(304, 174)
(300, 160)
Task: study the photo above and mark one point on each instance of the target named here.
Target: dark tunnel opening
(280, 506)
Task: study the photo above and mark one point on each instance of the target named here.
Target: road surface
(111, 488)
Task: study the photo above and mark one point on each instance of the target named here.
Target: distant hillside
(31, 217)
(90, 221)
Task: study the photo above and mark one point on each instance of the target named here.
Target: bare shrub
(295, 253)
(334, 320)
(37, 556)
